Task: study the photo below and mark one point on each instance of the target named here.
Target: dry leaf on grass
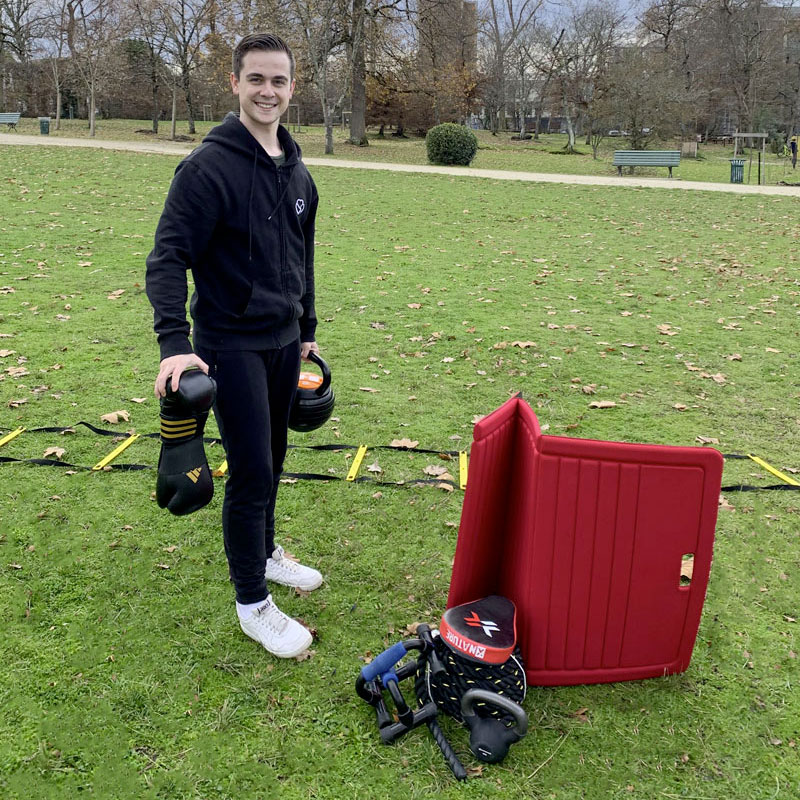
(434, 470)
(114, 417)
(54, 452)
(724, 505)
(115, 295)
(602, 404)
(404, 443)
(374, 468)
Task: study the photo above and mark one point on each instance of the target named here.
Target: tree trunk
(327, 114)
(174, 109)
(57, 125)
(156, 111)
(358, 96)
(187, 93)
(570, 145)
(92, 121)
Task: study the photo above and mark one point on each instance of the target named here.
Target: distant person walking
(793, 150)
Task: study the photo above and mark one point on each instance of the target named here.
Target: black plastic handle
(326, 372)
(498, 701)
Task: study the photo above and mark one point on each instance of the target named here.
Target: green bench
(646, 158)
(10, 119)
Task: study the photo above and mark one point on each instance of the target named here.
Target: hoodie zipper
(280, 211)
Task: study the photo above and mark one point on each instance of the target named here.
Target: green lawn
(122, 670)
(495, 152)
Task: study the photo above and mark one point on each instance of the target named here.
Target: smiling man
(240, 215)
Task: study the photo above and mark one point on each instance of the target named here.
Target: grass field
(495, 152)
(122, 670)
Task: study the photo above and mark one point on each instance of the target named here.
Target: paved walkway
(495, 174)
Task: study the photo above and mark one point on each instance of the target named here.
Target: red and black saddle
(484, 630)
(477, 644)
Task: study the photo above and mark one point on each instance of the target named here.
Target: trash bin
(737, 170)
(44, 125)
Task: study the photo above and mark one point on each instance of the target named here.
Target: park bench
(10, 118)
(646, 158)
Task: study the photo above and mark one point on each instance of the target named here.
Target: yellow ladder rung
(776, 472)
(354, 467)
(115, 452)
(462, 469)
(221, 469)
(9, 436)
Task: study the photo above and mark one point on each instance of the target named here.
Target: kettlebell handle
(326, 373)
(500, 702)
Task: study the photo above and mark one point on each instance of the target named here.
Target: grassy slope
(122, 671)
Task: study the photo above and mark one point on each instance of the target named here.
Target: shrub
(451, 144)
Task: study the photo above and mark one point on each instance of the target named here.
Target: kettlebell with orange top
(313, 401)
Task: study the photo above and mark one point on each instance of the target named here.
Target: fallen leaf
(305, 655)
(171, 549)
(602, 404)
(687, 567)
(724, 505)
(115, 417)
(54, 452)
(374, 468)
(138, 399)
(680, 407)
(414, 305)
(404, 443)
(115, 295)
(706, 440)
(580, 715)
(523, 345)
(6, 353)
(434, 469)
(367, 389)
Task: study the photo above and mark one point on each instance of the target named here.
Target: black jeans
(255, 391)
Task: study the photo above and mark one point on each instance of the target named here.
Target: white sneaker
(289, 573)
(279, 634)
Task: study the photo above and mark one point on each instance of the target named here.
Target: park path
(504, 175)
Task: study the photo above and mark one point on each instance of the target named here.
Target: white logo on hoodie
(299, 206)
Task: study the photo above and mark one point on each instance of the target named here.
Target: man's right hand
(173, 367)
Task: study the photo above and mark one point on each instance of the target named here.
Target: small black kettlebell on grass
(490, 738)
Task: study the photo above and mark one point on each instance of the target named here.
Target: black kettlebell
(490, 738)
(313, 400)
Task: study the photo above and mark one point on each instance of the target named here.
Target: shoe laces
(280, 560)
(270, 615)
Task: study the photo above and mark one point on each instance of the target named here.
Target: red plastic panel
(586, 538)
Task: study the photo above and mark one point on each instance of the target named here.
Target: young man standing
(240, 215)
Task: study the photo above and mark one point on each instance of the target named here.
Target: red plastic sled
(587, 539)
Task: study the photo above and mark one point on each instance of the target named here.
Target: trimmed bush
(451, 144)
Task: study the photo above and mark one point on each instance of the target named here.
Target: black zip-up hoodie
(245, 228)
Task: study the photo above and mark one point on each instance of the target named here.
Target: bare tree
(151, 30)
(324, 30)
(186, 24)
(589, 35)
(20, 24)
(53, 43)
(504, 22)
(92, 27)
